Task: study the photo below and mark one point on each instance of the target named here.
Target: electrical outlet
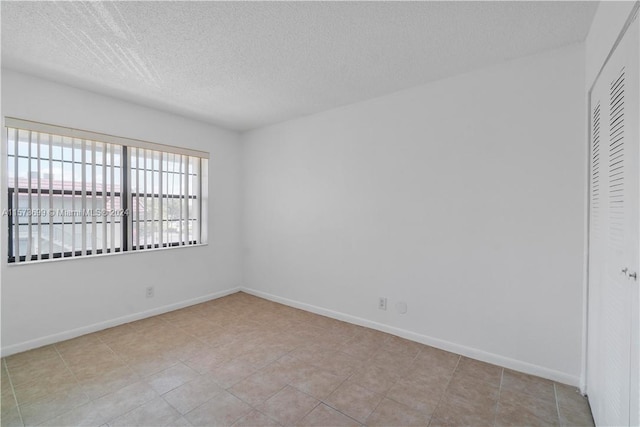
(150, 292)
(382, 303)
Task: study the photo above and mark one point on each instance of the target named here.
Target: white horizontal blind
(72, 196)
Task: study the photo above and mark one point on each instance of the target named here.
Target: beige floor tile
(437, 356)
(238, 347)
(420, 393)
(5, 384)
(171, 378)
(34, 356)
(108, 382)
(11, 418)
(199, 327)
(354, 400)
(534, 386)
(359, 349)
(189, 350)
(339, 363)
(86, 415)
(124, 400)
(133, 350)
(373, 336)
(401, 345)
(37, 389)
(455, 410)
(219, 338)
(155, 413)
(281, 360)
(258, 387)
(331, 340)
(288, 368)
(518, 408)
(181, 422)
(232, 372)
(323, 416)
(323, 322)
(35, 369)
(83, 350)
(256, 419)
(7, 401)
(7, 395)
(396, 363)
(432, 361)
(95, 366)
(573, 408)
(78, 345)
(174, 340)
(118, 335)
(55, 405)
(288, 406)
(222, 410)
(262, 356)
(473, 387)
(374, 378)
(310, 354)
(318, 383)
(222, 318)
(150, 323)
(206, 361)
(490, 374)
(177, 317)
(391, 413)
(192, 394)
(147, 366)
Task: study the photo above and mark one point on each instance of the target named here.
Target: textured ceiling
(243, 65)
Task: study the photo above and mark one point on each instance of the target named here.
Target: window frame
(125, 195)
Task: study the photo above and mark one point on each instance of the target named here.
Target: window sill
(87, 257)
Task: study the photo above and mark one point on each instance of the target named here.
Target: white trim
(584, 336)
(583, 385)
(73, 333)
(44, 261)
(474, 353)
(13, 122)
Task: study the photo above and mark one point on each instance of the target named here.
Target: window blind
(77, 193)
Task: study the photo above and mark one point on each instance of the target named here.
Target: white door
(614, 235)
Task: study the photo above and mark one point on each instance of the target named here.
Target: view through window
(75, 193)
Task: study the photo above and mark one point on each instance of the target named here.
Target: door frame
(584, 386)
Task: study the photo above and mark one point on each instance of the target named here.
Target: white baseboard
(471, 352)
(474, 353)
(73, 333)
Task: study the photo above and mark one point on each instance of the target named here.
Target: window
(75, 193)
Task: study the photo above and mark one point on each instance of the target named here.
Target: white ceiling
(243, 65)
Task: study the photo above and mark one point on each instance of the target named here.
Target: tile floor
(245, 361)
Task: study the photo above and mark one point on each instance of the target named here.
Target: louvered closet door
(612, 359)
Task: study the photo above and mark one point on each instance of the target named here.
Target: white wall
(605, 29)
(464, 198)
(49, 301)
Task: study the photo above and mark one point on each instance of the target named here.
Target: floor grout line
(555, 395)
(66, 365)
(139, 379)
(300, 334)
(13, 390)
(339, 411)
(445, 389)
(495, 411)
